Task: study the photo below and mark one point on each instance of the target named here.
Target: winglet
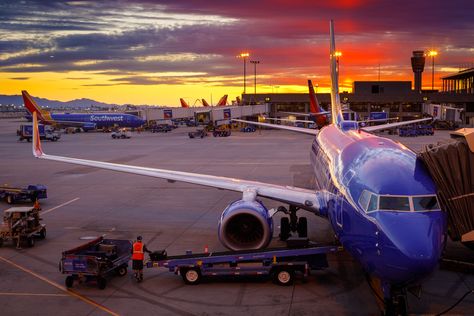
(37, 150)
(31, 105)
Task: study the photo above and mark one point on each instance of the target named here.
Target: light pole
(244, 57)
(432, 53)
(255, 62)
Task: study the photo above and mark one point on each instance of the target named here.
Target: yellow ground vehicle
(22, 225)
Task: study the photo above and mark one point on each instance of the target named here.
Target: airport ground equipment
(121, 134)
(199, 133)
(96, 260)
(248, 129)
(221, 132)
(31, 193)
(22, 225)
(280, 264)
(162, 128)
(416, 130)
(26, 133)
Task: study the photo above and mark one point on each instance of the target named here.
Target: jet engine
(245, 225)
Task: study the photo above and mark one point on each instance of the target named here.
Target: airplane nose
(411, 243)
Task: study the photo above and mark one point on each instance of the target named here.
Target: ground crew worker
(138, 255)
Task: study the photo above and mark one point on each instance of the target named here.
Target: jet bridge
(451, 164)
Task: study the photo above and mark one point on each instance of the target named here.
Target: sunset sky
(154, 52)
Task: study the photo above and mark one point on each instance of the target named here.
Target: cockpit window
(425, 203)
(373, 203)
(394, 203)
(364, 199)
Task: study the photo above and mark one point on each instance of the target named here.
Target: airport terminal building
(395, 97)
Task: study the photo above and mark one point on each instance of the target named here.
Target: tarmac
(85, 202)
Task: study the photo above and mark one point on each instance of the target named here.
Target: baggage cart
(96, 260)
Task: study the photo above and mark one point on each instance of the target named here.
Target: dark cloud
(288, 37)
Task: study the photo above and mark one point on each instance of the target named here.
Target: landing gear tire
(283, 276)
(30, 241)
(284, 228)
(42, 233)
(302, 227)
(191, 276)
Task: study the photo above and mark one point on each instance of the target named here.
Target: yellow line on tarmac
(31, 294)
(61, 205)
(62, 288)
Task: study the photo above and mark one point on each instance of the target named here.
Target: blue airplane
(86, 121)
(378, 197)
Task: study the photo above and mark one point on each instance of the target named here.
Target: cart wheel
(42, 233)
(30, 241)
(191, 276)
(302, 227)
(122, 270)
(9, 199)
(284, 228)
(69, 281)
(101, 282)
(283, 276)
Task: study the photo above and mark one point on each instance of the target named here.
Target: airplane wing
(307, 114)
(304, 198)
(287, 120)
(392, 125)
(288, 128)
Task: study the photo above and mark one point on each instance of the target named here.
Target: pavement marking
(31, 294)
(60, 205)
(62, 288)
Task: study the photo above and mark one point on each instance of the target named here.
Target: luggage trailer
(280, 264)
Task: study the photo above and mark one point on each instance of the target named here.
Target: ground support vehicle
(409, 131)
(279, 263)
(121, 134)
(26, 132)
(31, 193)
(96, 260)
(161, 128)
(248, 129)
(425, 130)
(221, 132)
(22, 225)
(200, 133)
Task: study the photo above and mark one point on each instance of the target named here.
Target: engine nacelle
(245, 225)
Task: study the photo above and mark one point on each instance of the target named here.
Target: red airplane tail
(222, 101)
(314, 107)
(238, 100)
(204, 103)
(184, 104)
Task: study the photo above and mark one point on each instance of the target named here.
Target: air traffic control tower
(418, 64)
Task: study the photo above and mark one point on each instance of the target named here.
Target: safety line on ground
(60, 205)
(62, 288)
(31, 294)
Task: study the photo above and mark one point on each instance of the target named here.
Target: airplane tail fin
(336, 111)
(222, 101)
(184, 104)
(33, 107)
(204, 102)
(37, 150)
(238, 100)
(314, 104)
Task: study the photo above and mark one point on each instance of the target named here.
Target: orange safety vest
(138, 251)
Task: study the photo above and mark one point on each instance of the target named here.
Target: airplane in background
(86, 121)
(378, 197)
(204, 103)
(184, 104)
(222, 102)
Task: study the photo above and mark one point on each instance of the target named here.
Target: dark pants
(137, 264)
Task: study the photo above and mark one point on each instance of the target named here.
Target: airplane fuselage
(385, 212)
(98, 120)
